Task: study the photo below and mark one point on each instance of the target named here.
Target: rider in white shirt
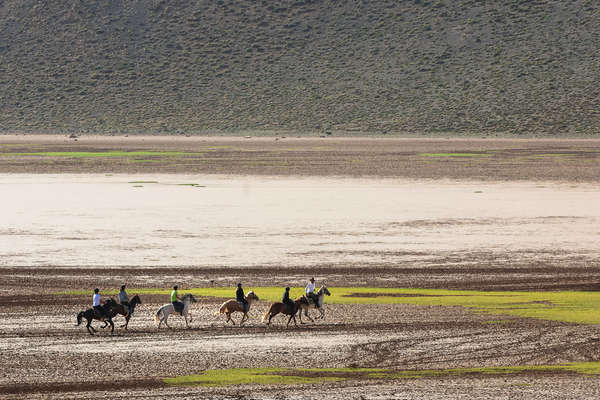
(96, 302)
(310, 291)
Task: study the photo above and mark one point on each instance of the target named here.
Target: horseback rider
(310, 292)
(289, 304)
(124, 300)
(98, 308)
(239, 296)
(177, 304)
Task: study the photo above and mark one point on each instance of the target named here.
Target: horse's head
(110, 302)
(325, 290)
(251, 295)
(190, 298)
(135, 300)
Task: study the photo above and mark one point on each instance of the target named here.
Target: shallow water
(102, 220)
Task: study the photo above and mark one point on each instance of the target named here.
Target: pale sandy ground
(234, 221)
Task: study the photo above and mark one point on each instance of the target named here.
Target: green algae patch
(140, 182)
(247, 376)
(457, 155)
(573, 307)
(298, 376)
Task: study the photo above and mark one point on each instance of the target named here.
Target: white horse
(318, 305)
(163, 313)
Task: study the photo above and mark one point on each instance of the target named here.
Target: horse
(120, 309)
(279, 307)
(231, 306)
(305, 305)
(90, 314)
(163, 312)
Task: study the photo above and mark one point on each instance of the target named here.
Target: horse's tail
(157, 316)
(264, 318)
(79, 317)
(222, 309)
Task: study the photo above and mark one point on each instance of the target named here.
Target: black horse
(120, 309)
(90, 314)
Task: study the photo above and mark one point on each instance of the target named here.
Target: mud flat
(434, 220)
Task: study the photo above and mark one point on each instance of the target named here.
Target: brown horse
(120, 309)
(90, 314)
(279, 307)
(231, 306)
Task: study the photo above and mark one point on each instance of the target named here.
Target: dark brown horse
(279, 307)
(120, 309)
(90, 314)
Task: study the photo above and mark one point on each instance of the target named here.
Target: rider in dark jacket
(289, 304)
(239, 296)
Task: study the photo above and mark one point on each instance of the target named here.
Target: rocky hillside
(385, 66)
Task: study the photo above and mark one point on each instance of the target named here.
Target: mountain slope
(458, 66)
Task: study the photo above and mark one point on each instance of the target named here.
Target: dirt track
(38, 333)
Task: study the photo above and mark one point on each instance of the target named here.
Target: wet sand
(244, 221)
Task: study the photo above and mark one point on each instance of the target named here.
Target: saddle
(243, 305)
(99, 314)
(178, 307)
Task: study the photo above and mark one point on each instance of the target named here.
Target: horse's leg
(112, 327)
(322, 311)
(306, 314)
(230, 319)
(290, 319)
(244, 318)
(89, 324)
(126, 321)
(271, 316)
(186, 320)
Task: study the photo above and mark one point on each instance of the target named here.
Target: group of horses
(112, 309)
